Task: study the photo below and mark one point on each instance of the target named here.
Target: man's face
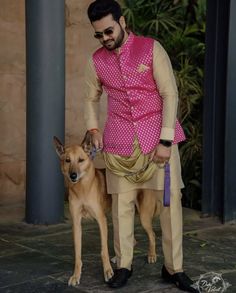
(109, 32)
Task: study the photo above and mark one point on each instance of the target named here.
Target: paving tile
(215, 236)
(231, 279)
(56, 245)
(41, 285)
(9, 248)
(202, 256)
(194, 221)
(21, 230)
(61, 245)
(28, 266)
(41, 258)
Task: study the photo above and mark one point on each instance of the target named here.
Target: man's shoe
(120, 278)
(181, 280)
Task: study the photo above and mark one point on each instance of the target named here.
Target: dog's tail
(154, 205)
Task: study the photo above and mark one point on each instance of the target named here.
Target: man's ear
(122, 22)
(86, 144)
(60, 149)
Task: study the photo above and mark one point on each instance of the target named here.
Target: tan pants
(123, 211)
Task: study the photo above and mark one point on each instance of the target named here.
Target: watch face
(166, 143)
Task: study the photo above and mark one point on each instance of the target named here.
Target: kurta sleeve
(93, 94)
(165, 80)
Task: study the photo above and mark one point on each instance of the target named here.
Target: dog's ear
(60, 149)
(87, 144)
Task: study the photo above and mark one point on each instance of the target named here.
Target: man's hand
(97, 140)
(161, 154)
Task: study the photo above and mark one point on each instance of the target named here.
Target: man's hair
(101, 8)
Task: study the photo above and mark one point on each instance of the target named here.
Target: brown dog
(88, 198)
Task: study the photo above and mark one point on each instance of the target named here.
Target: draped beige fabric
(136, 169)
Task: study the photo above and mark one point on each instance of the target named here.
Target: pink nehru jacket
(134, 103)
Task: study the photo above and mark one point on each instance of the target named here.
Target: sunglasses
(107, 32)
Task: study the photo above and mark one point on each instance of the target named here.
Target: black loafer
(120, 278)
(181, 280)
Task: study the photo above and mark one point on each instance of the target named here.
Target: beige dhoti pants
(123, 210)
(124, 195)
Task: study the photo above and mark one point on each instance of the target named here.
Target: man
(141, 127)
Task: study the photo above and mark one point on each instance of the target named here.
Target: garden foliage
(179, 25)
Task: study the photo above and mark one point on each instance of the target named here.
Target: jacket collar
(127, 45)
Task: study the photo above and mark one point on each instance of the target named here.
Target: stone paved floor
(40, 258)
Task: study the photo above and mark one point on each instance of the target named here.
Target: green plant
(180, 27)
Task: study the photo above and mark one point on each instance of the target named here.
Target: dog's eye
(81, 160)
(67, 160)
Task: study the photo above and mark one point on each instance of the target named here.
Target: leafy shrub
(179, 25)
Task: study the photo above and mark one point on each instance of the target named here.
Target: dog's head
(74, 160)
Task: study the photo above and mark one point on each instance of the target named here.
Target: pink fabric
(134, 103)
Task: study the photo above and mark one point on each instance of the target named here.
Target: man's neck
(125, 37)
(117, 50)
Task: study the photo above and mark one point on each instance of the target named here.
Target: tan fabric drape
(136, 169)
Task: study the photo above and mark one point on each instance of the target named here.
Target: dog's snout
(73, 176)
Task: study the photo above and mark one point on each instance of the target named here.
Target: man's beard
(114, 44)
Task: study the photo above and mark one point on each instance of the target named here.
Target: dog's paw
(152, 258)
(108, 274)
(74, 281)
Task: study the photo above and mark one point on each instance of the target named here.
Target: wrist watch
(166, 143)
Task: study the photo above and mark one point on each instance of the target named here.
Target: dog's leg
(147, 205)
(77, 233)
(102, 222)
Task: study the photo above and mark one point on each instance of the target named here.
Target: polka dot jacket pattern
(134, 103)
